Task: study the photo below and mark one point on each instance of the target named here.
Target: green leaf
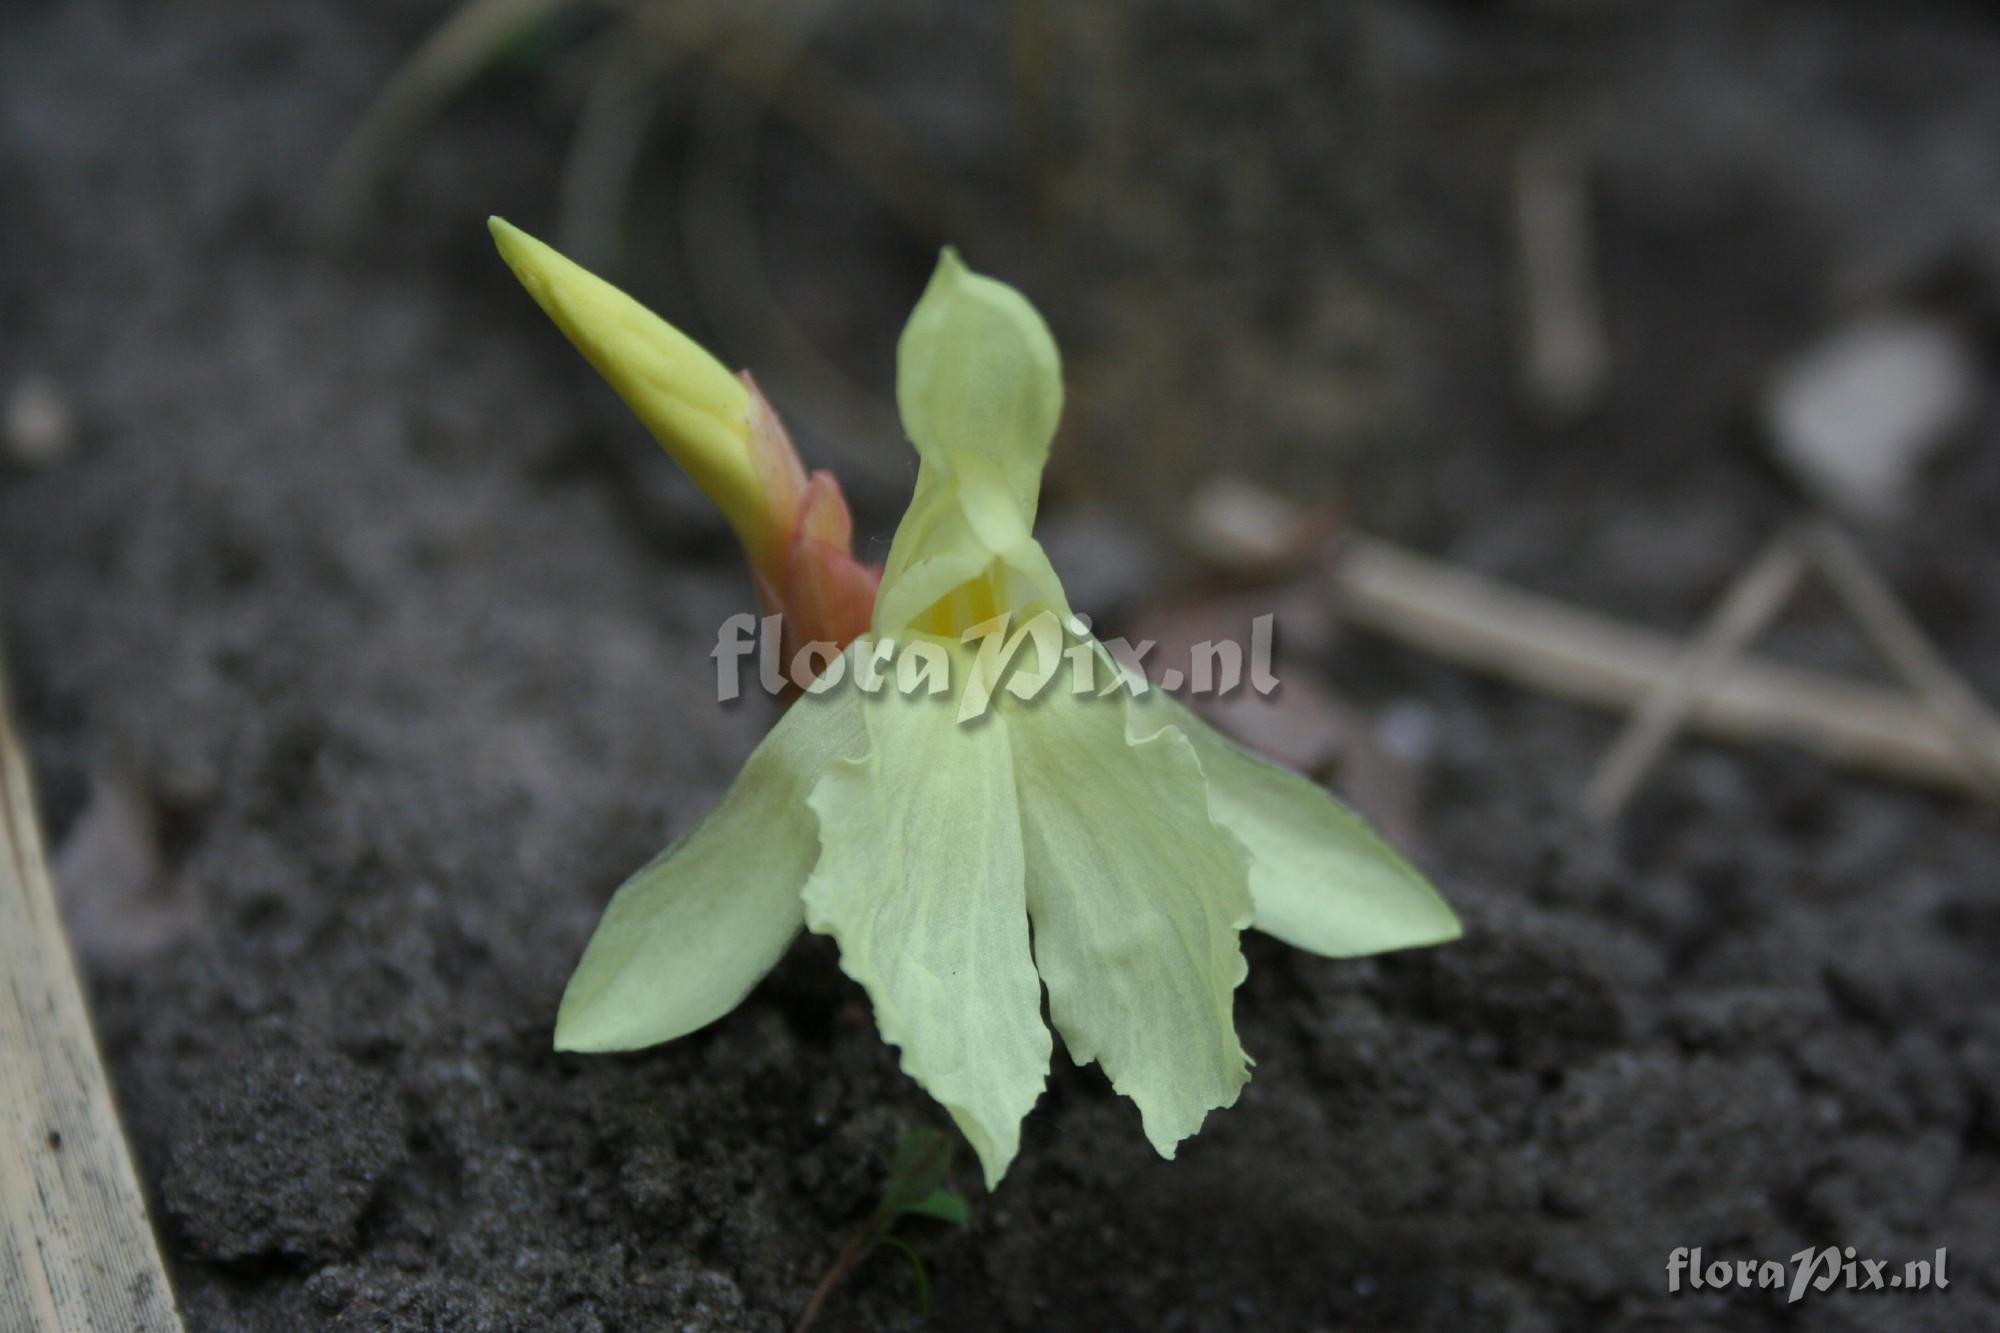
(944, 1205)
(528, 48)
(1137, 899)
(977, 373)
(1321, 879)
(685, 939)
(917, 1181)
(922, 1161)
(920, 880)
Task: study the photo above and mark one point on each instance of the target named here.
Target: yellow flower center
(995, 592)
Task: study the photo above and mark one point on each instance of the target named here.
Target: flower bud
(696, 409)
(796, 530)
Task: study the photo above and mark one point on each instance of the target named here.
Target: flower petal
(1322, 880)
(977, 373)
(685, 939)
(920, 880)
(958, 525)
(1137, 899)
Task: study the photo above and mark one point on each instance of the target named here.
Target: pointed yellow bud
(696, 409)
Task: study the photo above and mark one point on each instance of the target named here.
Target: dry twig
(618, 106)
(727, 269)
(448, 60)
(1541, 643)
(1959, 711)
(1753, 599)
(1565, 353)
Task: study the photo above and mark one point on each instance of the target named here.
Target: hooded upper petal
(977, 374)
(685, 938)
(921, 880)
(979, 386)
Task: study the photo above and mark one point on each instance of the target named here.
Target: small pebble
(37, 429)
(1408, 730)
(1855, 415)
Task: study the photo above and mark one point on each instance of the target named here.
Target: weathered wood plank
(76, 1250)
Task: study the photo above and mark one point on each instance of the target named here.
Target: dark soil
(393, 632)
